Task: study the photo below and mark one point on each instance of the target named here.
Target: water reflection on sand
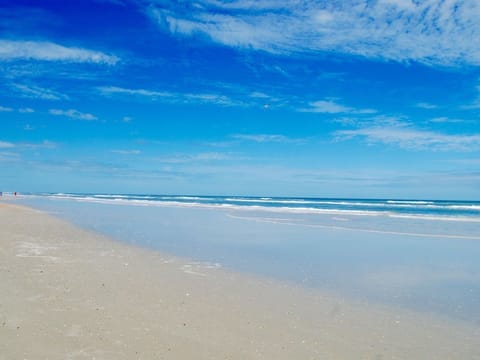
(428, 266)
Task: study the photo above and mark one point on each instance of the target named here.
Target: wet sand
(66, 293)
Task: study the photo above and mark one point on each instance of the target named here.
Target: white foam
(125, 200)
(187, 198)
(465, 207)
(415, 202)
(199, 268)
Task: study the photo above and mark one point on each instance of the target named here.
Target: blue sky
(354, 98)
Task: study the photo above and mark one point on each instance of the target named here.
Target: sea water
(422, 255)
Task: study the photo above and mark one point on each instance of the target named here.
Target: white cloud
(209, 156)
(26, 110)
(411, 138)
(211, 98)
(114, 90)
(45, 144)
(172, 97)
(48, 51)
(193, 158)
(249, 4)
(430, 32)
(425, 105)
(73, 114)
(37, 92)
(444, 119)
(127, 152)
(8, 156)
(6, 145)
(259, 95)
(5, 109)
(263, 138)
(329, 106)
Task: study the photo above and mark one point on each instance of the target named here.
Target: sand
(66, 293)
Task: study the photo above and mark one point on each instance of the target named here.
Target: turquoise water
(427, 208)
(419, 255)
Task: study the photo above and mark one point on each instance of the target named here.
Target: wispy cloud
(6, 145)
(20, 110)
(26, 110)
(46, 144)
(37, 92)
(212, 98)
(329, 106)
(265, 138)
(213, 92)
(408, 137)
(73, 114)
(192, 158)
(169, 96)
(115, 90)
(49, 51)
(9, 156)
(127, 152)
(5, 109)
(445, 119)
(425, 105)
(430, 32)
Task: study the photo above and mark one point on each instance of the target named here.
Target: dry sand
(66, 293)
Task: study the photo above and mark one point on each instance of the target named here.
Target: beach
(68, 293)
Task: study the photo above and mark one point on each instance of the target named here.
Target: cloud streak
(46, 144)
(37, 92)
(266, 138)
(73, 114)
(410, 138)
(329, 106)
(5, 109)
(6, 145)
(194, 158)
(172, 97)
(115, 90)
(11, 50)
(429, 32)
(425, 105)
(26, 110)
(127, 152)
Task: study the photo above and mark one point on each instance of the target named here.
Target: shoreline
(253, 204)
(71, 293)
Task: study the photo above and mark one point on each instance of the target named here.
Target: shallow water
(423, 265)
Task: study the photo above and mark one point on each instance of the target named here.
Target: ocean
(427, 209)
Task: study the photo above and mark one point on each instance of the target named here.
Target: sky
(353, 98)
